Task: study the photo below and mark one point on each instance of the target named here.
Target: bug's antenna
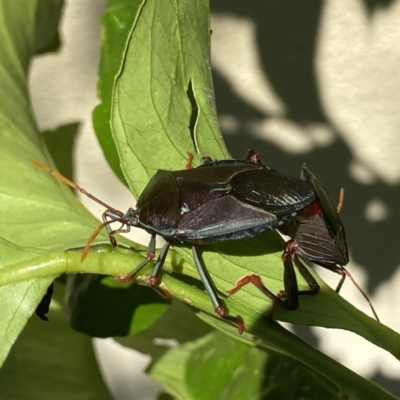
(72, 184)
(118, 214)
(94, 235)
(341, 200)
(364, 294)
(344, 272)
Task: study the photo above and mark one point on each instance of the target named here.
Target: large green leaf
(218, 367)
(179, 323)
(164, 85)
(162, 108)
(153, 81)
(94, 306)
(263, 331)
(51, 358)
(163, 105)
(40, 214)
(25, 222)
(117, 22)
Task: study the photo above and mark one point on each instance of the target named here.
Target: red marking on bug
(312, 209)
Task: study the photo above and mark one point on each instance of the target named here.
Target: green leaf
(162, 108)
(60, 144)
(21, 213)
(166, 70)
(19, 300)
(249, 372)
(40, 213)
(169, 48)
(51, 358)
(94, 306)
(264, 332)
(179, 323)
(117, 22)
(219, 367)
(48, 15)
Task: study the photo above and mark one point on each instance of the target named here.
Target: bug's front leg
(108, 217)
(154, 279)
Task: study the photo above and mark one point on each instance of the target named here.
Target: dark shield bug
(316, 234)
(217, 201)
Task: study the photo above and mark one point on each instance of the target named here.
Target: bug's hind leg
(289, 297)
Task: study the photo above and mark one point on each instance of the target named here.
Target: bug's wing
(272, 191)
(196, 192)
(330, 215)
(315, 243)
(224, 218)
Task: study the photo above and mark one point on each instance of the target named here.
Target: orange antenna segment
(341, 200)
(91, 239)
(73, 185)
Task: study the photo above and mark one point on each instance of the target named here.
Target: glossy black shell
(230, 199)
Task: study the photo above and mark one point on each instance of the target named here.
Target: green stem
(260, 330)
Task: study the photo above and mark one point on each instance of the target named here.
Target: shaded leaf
(51, 358)
(46, 35)
(103, 308)
(60, 143)
(178, 325)
(117, 21)
(248, 372)
(217, 366)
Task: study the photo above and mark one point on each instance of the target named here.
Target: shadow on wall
(285, 39)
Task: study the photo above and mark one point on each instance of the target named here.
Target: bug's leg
(257, 282)
(290, 280)
(189, 160)
(217, 303)
(291, 288)
(305, 273)
(206, 160)
(291, 292)
(343, 271)
(150, 255)
(107, 217)
(154, 278)
(203, 160)
(110, 232)
(252, 156)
